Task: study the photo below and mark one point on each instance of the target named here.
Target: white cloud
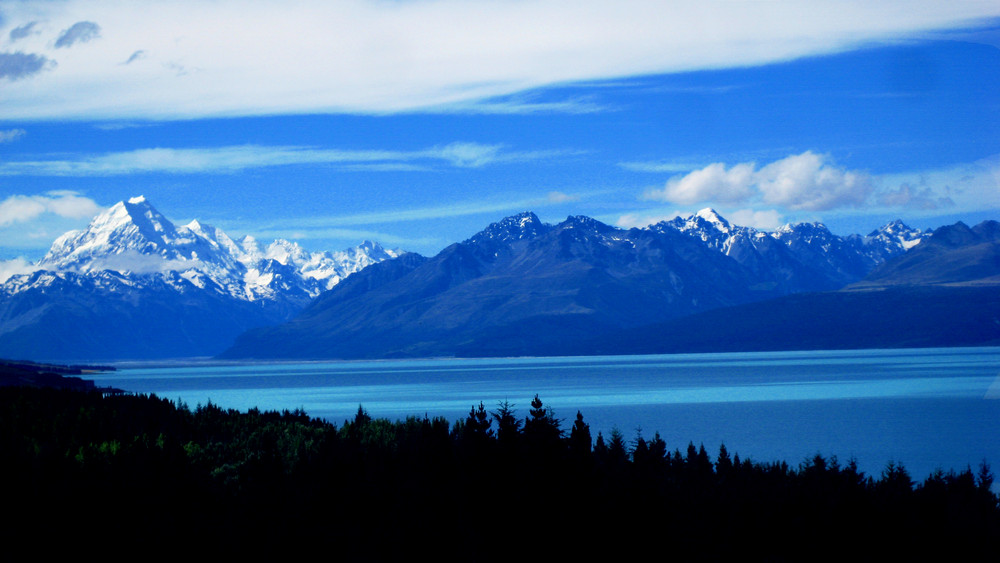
(382, 237)
(767, 219)
(804, 181)
(11, 135)
(522, 105)
(465, 154)
(807, 181)
(560, 197)
(258, 58)
(133, 261)
(638, 221)
(17, 209)
(15, 267)
(336, 223)
(660, 166)
(237, 158)
(711, 183)
(811, 182)
(21, 208)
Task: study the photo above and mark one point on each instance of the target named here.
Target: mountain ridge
(944, 292)
(146, 288)
(520, 285)
(132, 285)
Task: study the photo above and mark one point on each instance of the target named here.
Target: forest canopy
(85, 464)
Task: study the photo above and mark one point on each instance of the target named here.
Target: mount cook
(132, 285)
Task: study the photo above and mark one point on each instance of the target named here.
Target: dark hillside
(523, 287)
(955, 254)
(893, 317)
(943, 292)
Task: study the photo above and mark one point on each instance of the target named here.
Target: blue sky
(418, 122)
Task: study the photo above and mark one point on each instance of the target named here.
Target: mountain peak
(804, 227)
(586, 223)
(516, 227)
(710, 214)
(898, 232)
(892, 227)
(712, 217)
(127, 226)
(374, 249)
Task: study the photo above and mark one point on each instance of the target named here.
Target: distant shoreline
(32, 374)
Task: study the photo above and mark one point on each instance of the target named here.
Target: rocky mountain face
(800, 257)
(524, 287)
(944, 292)
(132, 285)
(953, 255)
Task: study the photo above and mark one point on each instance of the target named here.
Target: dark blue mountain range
(521, 287)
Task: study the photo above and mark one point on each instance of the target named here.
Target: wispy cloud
(971, 186)
(640, 220)
(301, 233)
(15, 267)
(910, 196)
(136, 56)
(765, 219)
(387, 216)
(560, 197)
(343, 227)
(525, 105)
(22, 208)
(137, 263)
(260, 58)
(658, 167)
(11, 135)
(236, 158)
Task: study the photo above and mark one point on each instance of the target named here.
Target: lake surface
(924, 408)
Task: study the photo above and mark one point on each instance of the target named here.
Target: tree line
(134, 469)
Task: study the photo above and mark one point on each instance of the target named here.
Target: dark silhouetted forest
(512, 482)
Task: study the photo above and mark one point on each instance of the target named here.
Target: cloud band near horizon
(229, 159)
(232, 58)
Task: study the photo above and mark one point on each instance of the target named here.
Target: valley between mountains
(133, 286)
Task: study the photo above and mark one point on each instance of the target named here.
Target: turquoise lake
(924, 408)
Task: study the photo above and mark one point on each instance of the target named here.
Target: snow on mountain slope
(523, 287)
(133, 239)
(809, 250)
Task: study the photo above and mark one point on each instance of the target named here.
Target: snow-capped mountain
(799, 257)
(710, 227)
(134, 239)
(131, 258)
(521, 286)
(134, 285)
